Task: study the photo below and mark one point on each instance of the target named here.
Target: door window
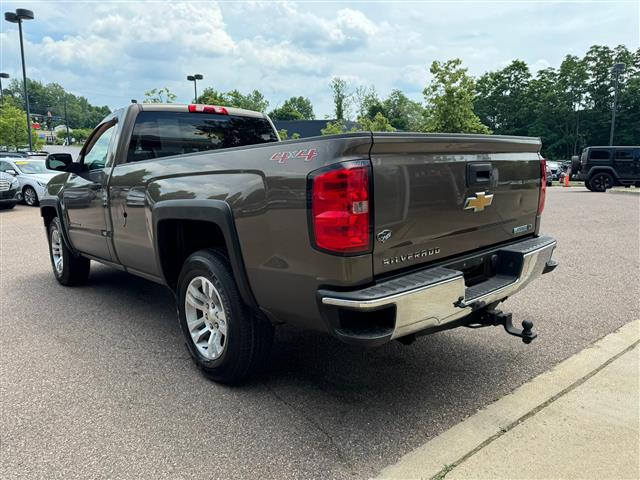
(4, 166)
(96, 157)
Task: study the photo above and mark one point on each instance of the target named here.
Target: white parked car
(32, 175)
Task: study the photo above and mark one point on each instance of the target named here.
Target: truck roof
(178, 107)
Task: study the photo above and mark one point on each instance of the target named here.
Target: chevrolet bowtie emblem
(478, 202)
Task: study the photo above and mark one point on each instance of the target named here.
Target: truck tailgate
(440, 195)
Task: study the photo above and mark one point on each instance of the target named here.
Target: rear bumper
(428, 299)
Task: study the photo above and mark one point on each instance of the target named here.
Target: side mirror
(11, 171)
(59, 161)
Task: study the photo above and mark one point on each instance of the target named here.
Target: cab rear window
(164, 134)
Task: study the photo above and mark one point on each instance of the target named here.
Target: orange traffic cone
(566, 180)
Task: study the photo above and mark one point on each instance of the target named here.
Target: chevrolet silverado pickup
(370, 237)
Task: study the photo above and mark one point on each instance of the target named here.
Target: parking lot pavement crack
(312, 421)
(448, 468)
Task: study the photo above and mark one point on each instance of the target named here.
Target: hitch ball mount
(497, 317)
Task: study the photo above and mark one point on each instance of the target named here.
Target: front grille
(4, 185)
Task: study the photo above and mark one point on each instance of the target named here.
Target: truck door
(85, 194)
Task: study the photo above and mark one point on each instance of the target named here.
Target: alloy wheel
(56, 251)
(206, 318)
(30, 196)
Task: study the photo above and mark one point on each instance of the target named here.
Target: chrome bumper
(433, 297)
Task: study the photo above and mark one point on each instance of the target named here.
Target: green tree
(402, 112)
(51, 97)
(501, 99)
(379, 123)
(211, 96)
(334, 128)
(449, 99)
(341, 98)
(294, 108)
(159, 95)
(252, 101)
(13, 127)
(283, 134)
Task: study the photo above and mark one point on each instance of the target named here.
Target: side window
(624, 155)
(96, 157)
(600, 154)
(4, 166)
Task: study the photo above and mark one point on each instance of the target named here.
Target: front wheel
(68, 269)
(7, 206)
(226, 340)
(30, 196)
(601, 182)
(588, 185)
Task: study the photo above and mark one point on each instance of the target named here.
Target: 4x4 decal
(307, 155)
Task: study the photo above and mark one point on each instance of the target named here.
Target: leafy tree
(159, 95)
(334, 128)
(501, 99)
(252, 101)
(341, 98)
(211, 96)
(295, 108)
(51, 98)
(13, 127)
(379, 123)
(450, 98)
(366, 101)
(402, 112)
(283, 134)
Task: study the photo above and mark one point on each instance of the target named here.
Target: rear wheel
(30, 196)
(7, 206)
(226, 340)
(601, 182)
(588, 185)
(68, 269)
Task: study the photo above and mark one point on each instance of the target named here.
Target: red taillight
(340, 208)
(199, 108)
(543, 185)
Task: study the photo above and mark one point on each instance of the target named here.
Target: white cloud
(112, 52)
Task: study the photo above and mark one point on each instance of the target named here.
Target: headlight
(42, 184)
(14, 182)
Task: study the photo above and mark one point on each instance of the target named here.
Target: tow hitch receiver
(497, 317)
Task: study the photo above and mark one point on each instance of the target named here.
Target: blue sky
(112, 51)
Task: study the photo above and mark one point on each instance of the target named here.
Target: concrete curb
(436, 457)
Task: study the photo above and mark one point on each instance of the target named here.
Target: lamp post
(17, 17)
(617, 69)
(194, 79)
(2, 75)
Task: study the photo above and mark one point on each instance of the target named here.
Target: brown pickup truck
(370, 237)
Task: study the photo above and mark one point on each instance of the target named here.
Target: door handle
(479, 174)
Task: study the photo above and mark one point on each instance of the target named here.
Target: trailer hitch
(498, 317)
(492, 317)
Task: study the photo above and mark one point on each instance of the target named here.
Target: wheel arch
(175, 221)
(50, 209)
(603, 169)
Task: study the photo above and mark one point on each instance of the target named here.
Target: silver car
(32, 176)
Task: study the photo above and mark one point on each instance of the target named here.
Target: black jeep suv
(605, 167)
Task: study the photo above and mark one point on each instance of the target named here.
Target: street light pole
(194, 79)
(2, 75)
(17, 17)
(617, 69)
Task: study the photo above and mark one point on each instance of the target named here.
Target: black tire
(601, 181)
(588, 185)
(248, 338)
(7, 206)
(74, 269)
(30, 196)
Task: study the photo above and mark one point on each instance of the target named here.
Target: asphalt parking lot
(96, 381)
